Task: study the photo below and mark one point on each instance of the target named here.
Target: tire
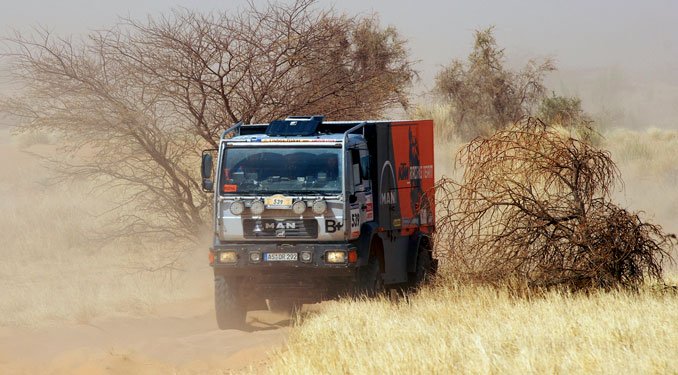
(229, 308)
(370, 282)
(424, 271)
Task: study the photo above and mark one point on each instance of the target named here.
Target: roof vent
(294, 126)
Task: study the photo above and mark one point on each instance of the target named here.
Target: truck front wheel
(370, 281)
(229, 307)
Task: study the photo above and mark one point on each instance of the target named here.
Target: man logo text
(388, 198)
(280, 225)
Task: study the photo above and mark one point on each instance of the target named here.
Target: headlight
(299, 207)
(228, 257)
(257, 207)
(335, 257)
(319, 207)
(237, 207)
(306, 256)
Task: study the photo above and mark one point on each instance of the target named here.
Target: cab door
(360, 200)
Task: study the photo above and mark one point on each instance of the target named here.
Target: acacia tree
(135, 104)
(484, 94)
(563, 111)
(259, 65)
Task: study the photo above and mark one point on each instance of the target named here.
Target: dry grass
(653, 148)
(54, 269)
(458, 329)
(648, 161)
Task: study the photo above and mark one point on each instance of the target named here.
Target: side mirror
(206, 165)
(352, 198)
(206, 171)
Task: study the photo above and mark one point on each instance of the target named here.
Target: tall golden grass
(452, 328)
(648, 161)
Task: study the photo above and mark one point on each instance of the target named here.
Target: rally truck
(307, 210)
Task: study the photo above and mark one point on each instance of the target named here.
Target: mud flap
(367, 233)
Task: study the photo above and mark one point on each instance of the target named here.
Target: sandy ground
(182, 338)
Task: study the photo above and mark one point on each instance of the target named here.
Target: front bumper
(309, 281)
(253, 256)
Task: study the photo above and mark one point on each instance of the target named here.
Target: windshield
(271, 170)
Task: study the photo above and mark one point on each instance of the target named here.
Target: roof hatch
(294, 126)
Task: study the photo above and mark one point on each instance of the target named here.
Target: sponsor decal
(414, 172)
(230, 188)
(333, 226)
(355, 223)
(369, 208)
(420, 172)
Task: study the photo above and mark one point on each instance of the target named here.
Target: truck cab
(307, 210)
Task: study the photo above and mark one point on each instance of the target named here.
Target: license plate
(278, 201)
(280, 257)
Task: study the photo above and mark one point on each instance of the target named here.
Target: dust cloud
(73, 303)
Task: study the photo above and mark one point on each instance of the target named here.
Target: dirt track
(181, 338)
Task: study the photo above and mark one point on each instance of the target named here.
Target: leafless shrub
(534, 208)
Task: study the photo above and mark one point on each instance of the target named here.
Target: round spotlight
(255, 257)
(237, 207)
(306, 256)
(257, 207)
(299, 207)
(319, 207)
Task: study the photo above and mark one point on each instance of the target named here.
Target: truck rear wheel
(424, 271)
(229, 307)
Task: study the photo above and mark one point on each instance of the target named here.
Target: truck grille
(288, 228)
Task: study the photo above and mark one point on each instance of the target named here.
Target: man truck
(307, 210)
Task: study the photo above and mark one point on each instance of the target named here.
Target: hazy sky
(635, 39)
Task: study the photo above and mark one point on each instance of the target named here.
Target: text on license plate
(280, 257)
(278, 201)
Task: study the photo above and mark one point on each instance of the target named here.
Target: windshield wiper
(311, 192)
